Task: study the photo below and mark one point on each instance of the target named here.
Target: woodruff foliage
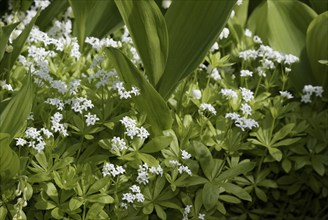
(184, 113)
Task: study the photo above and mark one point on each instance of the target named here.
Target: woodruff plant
(187, 125)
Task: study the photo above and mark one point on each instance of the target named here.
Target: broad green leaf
(94, 18)
(97, 186)
(275, 153)
(148, 30)
(282, 133)
(149, 101)
(230, 199)
(318, 166)
(286, 142)
(261, 194)
(49, 13)
(4, 36)
(241, 12)
(160, 183)
(148, 159)
(204, 157)
(12, 119)
(3, 212)
(160, 212)
(94, 211)
(156, 144)
(101, 198)
(210, 195)
(317, 48)
(44, 205)
(241, 168)
(193, 27)
(190, 181)
(52, 192)
(75, 203)
(283, 25)
(148, 209)
(286, 165)
(237, 191)
(57, 213)
(8, 61)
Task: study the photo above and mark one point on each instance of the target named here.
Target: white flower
(32, 133)
(201, 216)
(248, 54)
(232, 115)
(185, 155)
(208, 107)
(286, 94)
(248, 33)
(229, 93)
(166, 3)
(185, 169)
(257, 39)
(174, 163)
(135, 188)
(196, 94)
(224, 34)
(111, 170)
(59, 85)
(56, 102)
(215, 74)
(247, 94)
(91, 119)
(245, 73)
(118, 144)
(46, 132)
(20, 142)
(129, 197)
(306, 98)
(246, 109)
(139, 197)
(186, 212)
(156, 170)
(239, 2)
(215, 46)
(142, 174)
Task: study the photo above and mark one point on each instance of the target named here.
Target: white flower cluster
(244, 73)
(110, 170)
(185, 155)
(118, 144)
(131, 197)
(207, 107)
(308, 90)
(123, 93)
(186, 212)
(98, 44)
(34, 138)
(242, 122)
(196, 94)
(181, 168)
(215, 74)
(224, 33)
(91, 119)
(143, 170)
(56, 126)
(132, 130)
(246, 94)
(286, 94)
(56, 102)
(102, 77)
(229, 93)
(6, 86)
(79, 104)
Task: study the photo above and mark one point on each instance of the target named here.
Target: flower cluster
(123, 93)
(56, 126)
(242, 122)
(308, 90)
(132, 130)
(34, 138)
(131, 197)
(110, 170)
(207, 107)
(143, 170)
(181, 168)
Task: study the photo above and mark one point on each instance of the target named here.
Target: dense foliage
(194, 110)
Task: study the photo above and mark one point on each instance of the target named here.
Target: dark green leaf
(237, 191)
(210, 195)
(160, 212)
(193, 27)
(97, 186)
(149, 101)
(148, 30)
(156, 144)
(241, 168)
(4, 36)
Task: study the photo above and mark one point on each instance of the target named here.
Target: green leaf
(148, 159)
(190, 181)
(75, 203)
(261, 194)
(237, 191)
(52, 192)
(94, 211)
(319, 6)
(148, 30)
(282, 133)
(317, 47)
(9, 160)
(8, 61)
(57, 213)
(94, 18)
(286, 165)
(210, 195)
(49, 13)
(3, 212)
(241, 168)
(160, 212)
(160, 183)
(149, 101)
(189, 37)
(230, 199)
(204, 156)
(318, 166)
(275, 153)
(97, 186)
(45, 205)
(101, 198)
(286, 142)
(283, 25)
(4, 36)
(156, 144)
(148, 209)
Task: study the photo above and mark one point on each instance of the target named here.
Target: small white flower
(175, 163)
(229, 93)
(208, 107)
(286, 94)
(246, 109)
(248, 33)
(224, 34)
(118, 144)
(196, 94)
(91, 119)
(247, 94)
(166, 3)
(185, 169)
(20, 142)
(185, 155)
(239, 2)
(245, 73)
(306, 98)
(215, 74)
(142, 174)
(257, 39)
(135, 189)
(129, 197)
(201, 216)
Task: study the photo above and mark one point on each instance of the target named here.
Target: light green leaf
(49, 13)
(156, 144)
(57, 213)
(4, 36)
(261, 194)
(275, 153)
(237, 191)
(230, 199)
(97, 186)
(52, 192)
(286, 165)
(241, 168)
(286, 142)
(100, 198)
(148, 159)
(8, 61)
(45, 205)
(210, 195)
(148, 30)
(282, 133)
(317, 48)
(149, 101)
(283, 25)
(94, 18)
(75, 203)
(193, 27)
(3, 212)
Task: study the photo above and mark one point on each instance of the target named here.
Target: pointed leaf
(4, 36)
(275, 153)
(148, 30)
(241, 168)
(193, 26)
(237, 191)
(149, 101)
(156, 144)
(94, 18)
(317, 47)
(210, 195)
